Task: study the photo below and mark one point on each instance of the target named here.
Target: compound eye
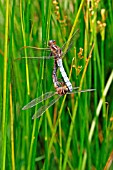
(54, 42)
(51, 42)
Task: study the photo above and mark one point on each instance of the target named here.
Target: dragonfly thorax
(55, 50)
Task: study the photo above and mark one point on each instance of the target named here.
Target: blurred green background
(76, 132)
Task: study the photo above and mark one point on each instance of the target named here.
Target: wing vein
(42, 109)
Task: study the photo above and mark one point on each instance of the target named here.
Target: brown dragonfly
(56, 52)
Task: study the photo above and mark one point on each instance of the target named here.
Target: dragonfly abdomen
(64, 75)
(54, 75)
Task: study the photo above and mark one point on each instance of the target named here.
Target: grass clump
(76, 132)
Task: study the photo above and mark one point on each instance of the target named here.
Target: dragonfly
(57, 53)
(60, 91)
(61, 88)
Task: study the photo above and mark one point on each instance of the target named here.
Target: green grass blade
(4, 125)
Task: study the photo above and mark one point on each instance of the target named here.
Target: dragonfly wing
(42, 109)
(35, 53)
(39, 100)
(81, 91)
(38, 57)
(73, 39)
(75, 88)
(33, 47)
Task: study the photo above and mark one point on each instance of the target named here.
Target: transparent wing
(75, 88)
(81, 91)
(36, 48)
(73, 38)
(42, 109)
(35, 53)
(39, 100)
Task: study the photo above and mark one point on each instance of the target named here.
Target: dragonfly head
(51, 42)
(62, 90)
